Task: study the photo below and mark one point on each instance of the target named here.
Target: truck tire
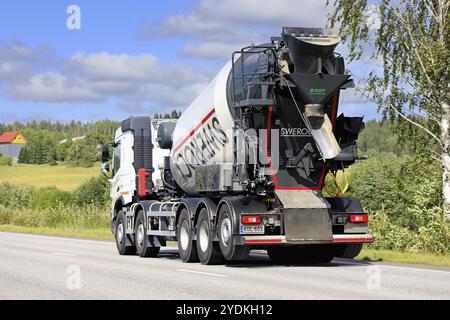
(349, 250)
(141, 238)
(310, 254)
(186, 245)
(230, 251)
(120, 235)
(208, 250)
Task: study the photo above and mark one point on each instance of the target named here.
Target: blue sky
(133, 57)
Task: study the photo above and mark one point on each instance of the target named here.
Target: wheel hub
(120, 232)
(203, 237)
(225, 230)
(140, 234)
(184, 236)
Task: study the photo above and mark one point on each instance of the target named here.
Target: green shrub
(95, 191)
(82, 153)
(40, 148)
(51, 197)
(403, 198)
(16, 196)
(5, 161)
(387, 235)
(435, 236)
(403, 187)
(87, 217)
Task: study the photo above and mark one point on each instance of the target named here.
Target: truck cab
(124, 178)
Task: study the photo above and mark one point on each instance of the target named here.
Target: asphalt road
(42, 267)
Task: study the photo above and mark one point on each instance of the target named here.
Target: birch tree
(412, 46)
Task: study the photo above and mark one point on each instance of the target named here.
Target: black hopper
(315, 73)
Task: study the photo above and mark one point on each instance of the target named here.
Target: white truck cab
(123, 176)
(123, 173)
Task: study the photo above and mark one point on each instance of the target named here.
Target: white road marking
(392, 267)
(53, 237)
(64, 254)
(204, 273)
(362, 264)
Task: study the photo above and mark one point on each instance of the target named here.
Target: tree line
(75, 142)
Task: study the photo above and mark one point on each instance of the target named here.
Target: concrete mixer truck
(244, 166)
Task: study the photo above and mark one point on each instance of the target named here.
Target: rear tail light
(251, 219)
(358, 218)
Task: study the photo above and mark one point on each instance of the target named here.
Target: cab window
(116, 160)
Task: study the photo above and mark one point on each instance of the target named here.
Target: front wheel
(207, 249)
(230, 251)
(141, 238)
(121, 236)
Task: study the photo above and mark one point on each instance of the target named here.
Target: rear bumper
(338, 238)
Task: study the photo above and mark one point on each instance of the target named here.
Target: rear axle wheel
(141, 238)
(230, 251)
(186, 245)
(208, 250)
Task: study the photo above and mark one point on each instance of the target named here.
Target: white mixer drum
(203, 134)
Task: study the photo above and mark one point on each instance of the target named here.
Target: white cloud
(97, 77)
(119, 67)
(351, 95)
(132, 107)
(222, 26)
(19, 61)
(225, 16)
(51, 87)
(208, 50)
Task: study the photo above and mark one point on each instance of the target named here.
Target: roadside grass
(61, 176)
(87, 217)
(95, 233)
(404, 257)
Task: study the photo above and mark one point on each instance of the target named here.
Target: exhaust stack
(315, 79)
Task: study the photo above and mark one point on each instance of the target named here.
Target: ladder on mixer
(262, 79)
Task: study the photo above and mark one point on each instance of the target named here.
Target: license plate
(252, 229)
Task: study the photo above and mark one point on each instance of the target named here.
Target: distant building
(11, 143)
(72, 139)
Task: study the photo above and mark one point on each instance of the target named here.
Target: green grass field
(61, 176)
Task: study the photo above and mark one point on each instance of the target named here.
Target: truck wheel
(141, 238)
(207, 249)
(349, 251)
(120, 235)
(186, 245)
(230, 251)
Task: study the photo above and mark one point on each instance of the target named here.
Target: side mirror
(105, 154)
(105, 167)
